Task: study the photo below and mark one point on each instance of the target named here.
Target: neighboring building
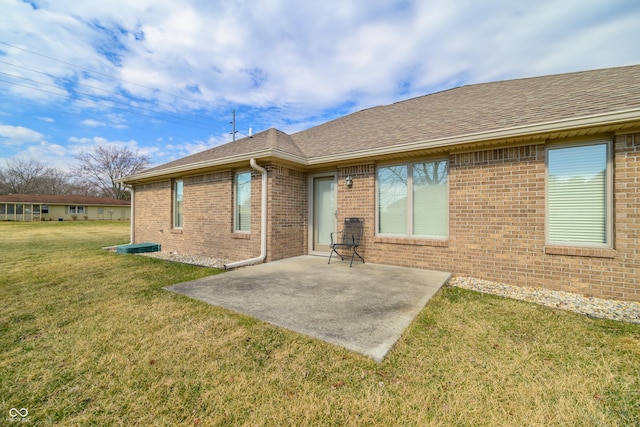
(534, 182)
(43, 207)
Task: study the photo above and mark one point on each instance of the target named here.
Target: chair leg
(355, 252)
(331, 254)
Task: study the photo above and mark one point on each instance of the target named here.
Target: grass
(88, 337)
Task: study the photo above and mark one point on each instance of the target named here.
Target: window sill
(242, 236)
(176, 231)
(580, 251)
(444, 243)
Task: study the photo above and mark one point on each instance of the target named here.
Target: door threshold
(322, 254)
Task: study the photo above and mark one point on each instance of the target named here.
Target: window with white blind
(242, 202)
(579, 195)
(413, 200)
(178, 196)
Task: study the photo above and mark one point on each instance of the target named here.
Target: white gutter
(190, 167)
(263, 222)
(611, 118)
(617, 117)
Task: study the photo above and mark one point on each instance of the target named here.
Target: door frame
(311, 222)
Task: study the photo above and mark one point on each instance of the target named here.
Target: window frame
(609, 190)
(76, 210)
(410, 202)
(236, 224)
(177, 220)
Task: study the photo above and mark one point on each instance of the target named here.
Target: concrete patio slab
(364, 308)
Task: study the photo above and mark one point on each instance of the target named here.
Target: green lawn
(88, 337)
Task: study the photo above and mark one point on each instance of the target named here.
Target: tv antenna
(233, 123)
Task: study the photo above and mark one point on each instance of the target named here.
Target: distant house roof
(562, 105)
(46, 199)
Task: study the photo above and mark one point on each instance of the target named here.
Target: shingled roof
(47, 199)
(467, 114)
(271, 141)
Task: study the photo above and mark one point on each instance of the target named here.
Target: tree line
(95, 173)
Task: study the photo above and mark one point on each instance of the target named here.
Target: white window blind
(392, 200)
(430, 199)
(177, 203)
(577, 195)
(243, 201)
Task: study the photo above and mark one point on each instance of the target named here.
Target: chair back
(352, 231)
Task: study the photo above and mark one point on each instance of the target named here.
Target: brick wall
(151, 211)
(208, 227)
(497, 224)
(288, 212)
(496, 221)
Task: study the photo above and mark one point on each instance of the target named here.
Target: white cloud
(92, 123)
(17, 135)
(315, 54)
(295, 63)
(49, 154)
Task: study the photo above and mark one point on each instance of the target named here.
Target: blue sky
(163, 77)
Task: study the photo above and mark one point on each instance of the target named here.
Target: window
(178, 196)
(413, 199)
(45, 209)
(243, 202)
(76, 209)
(579, 195)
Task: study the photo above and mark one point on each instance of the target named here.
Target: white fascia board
(518, 131)
(215, 162)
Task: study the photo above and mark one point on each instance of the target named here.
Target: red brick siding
(288, 212)
(497, 224)
(207, 217)
(151, 211)
(496, 221)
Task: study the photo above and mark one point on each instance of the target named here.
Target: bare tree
(25, 177)
(105, 164)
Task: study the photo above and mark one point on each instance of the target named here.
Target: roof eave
(613, 118)
(213, 163)
(496, 134)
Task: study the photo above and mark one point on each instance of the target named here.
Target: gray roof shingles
(460, 111)
(478, 108)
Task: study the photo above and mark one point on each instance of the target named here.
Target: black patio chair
(351, 236)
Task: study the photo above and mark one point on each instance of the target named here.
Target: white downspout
(132, 215)
(263, 222)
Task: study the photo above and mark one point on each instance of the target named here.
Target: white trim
(311, 193)
(410, 234)
(263, 222)
(174, 183)
(517, 131)
(235, 200)
(609, 191)
(613, 118)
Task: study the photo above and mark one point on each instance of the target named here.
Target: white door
(324, 212)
